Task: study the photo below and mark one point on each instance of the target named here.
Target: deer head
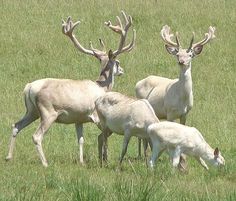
(184, 56)
(218, 158)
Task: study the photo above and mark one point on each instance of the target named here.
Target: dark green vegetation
(32, 46)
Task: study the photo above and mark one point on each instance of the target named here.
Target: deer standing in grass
(71, 101)
(172, 99)
(124, 116)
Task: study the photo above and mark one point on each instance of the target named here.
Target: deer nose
(181, 61)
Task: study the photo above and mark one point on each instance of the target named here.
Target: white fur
(125, 116)
(179, 139)
(172, 99)
(64, 101)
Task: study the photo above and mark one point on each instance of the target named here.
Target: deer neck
(106, 78)
(206, 153)
(185, 79)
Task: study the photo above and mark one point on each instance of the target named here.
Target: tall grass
(33, 47)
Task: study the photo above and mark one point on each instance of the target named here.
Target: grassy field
(32, 47)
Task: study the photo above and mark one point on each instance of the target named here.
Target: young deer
(71, 101)
(125, 116)
(173, 98)
(178, 139)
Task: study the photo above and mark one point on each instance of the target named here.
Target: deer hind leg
(46, 122)
(29, 117)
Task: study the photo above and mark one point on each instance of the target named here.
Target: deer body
(170, 99)
(76, 102)
(70, 101)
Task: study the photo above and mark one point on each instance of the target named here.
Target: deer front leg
(183, 119)
(202, 162)
(79, 132)
(156, 152)
(183, 164)
(175, 156)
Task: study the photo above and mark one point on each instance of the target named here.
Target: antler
(208, 36)
(68, 28)
(166, 36)
(123, 30)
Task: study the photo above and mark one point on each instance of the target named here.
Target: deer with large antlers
(71, 101)
(172, 99)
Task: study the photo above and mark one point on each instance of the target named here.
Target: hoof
(8, 158)
(45, 164)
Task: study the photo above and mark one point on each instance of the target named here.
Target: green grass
(33, 47)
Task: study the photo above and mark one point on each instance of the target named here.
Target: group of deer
(80, 101)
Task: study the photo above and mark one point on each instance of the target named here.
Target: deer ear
(198, 49)
(216, 152)
(111, 56)
(171, 49)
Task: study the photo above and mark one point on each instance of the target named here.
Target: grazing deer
(71, 101)
(173, 98)
(178, 139)
(125, 116)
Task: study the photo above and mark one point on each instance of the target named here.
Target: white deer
(125, 116)
(71, 101)
(179, 139)
(172, 99)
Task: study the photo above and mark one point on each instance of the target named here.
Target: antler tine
(128, 21)
(96, 50)
(102, 45)
(68, 26)
(177, 39)
(191, 42)
(130, 46)
(115, 28)
(208, 36)
(125, 17)
(122, 29)
(67, 29)
(166, 36)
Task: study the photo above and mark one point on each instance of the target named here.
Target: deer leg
(156, 152)
(139, 147)
(202, 162)
(125, 145)
(17, 127)
(105, 145)
(183, 163)
(46, 122)
(175, 156)
(183, 119)
(79, 131)
(102, 145)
